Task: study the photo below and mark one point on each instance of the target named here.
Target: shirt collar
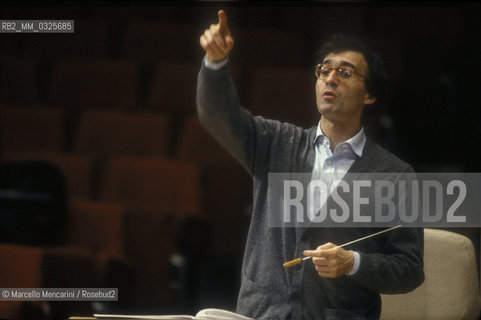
(356, 142)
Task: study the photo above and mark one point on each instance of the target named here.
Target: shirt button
(304, 237)
(329, 162)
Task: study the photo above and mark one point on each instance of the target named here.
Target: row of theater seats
(140, 189)
(127, 156)
(169, 87)
(106, 133)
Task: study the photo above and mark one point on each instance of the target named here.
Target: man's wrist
(355, 264)
(215, 65)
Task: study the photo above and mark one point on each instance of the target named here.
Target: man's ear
(369, 99)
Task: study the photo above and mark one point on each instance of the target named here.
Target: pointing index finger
(224, 29)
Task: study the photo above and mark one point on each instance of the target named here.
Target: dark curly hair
(376, 78)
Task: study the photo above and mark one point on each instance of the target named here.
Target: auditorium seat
(45, 267)
(31, 267)
(19, 268)
(98, 226)
(160, 195)
(109, 133)
(286, 94)
(152, 41)
(68, 267)
(226, 187)
(78, 170)
(92, 256)
(94, 84)
(197, 144)
(451, 287)
(19, 80)
(17, 264)
(101, 228)
(152, 182)
(150, 241)
(31, 129)
(91, 38)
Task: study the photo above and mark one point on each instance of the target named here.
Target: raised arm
(218, 104)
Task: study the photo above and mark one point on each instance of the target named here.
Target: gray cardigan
(390, 263)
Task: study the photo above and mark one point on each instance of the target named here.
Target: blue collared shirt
(339, 162)
(332, 166)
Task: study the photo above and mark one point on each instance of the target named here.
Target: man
(339, 283)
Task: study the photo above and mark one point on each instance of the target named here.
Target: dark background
(431, 119)
(431, 53)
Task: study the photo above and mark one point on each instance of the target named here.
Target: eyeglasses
(343, 73)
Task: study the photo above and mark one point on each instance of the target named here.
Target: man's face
(343, 101)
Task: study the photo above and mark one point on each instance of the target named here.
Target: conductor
(339, 283)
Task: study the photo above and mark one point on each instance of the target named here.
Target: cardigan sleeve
(253, 140)
(220, 112)
(398, 268)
